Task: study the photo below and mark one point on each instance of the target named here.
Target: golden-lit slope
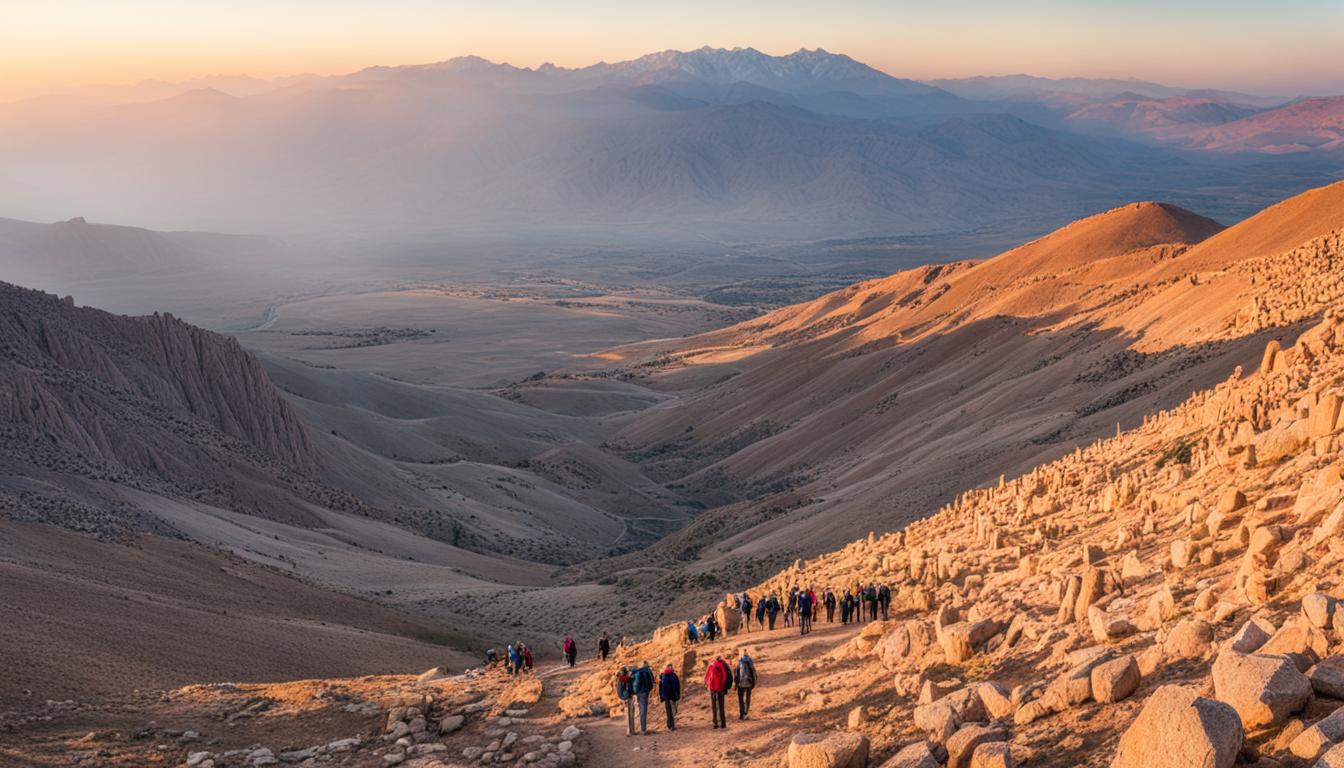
(871, 405)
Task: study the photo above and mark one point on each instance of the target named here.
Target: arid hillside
(868, 407)
(1164, 598)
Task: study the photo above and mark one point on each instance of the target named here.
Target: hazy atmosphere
(452, 383)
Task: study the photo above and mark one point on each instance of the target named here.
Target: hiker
(703, 629)
(744, 676)
(829, 600)
(870, 596)
(642, 686)
(669, 692)
(760, 611)
(491, 657)
(603, 646)
(571, 650)
(804, 613)
(527, 658)
(812, 601)
(718, 679)
(744, 602)
(515, 660)
(791, 608)
(772, 610)
(884, 599)
(712, 626)
(626, 695)
(691, 634)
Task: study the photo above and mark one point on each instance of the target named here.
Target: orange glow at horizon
(57, 45)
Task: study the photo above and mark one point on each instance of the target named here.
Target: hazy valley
(376, 371)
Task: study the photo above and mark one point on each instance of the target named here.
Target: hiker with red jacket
(527, 658)
(571, 650)
(718, 679)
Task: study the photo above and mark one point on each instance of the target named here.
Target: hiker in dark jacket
(669, 692)
(691, 634)
(884, 599)
(603, 646)
(713, 627)
(744, 602)
(829, 600)
(744, 677)
(791, 608)
(804, 613)
(760, 611)
(641, 685)
(772, 610)
(718, 679)
(627, 696)
(870, 596)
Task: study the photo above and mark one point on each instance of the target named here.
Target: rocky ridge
(1165, 597)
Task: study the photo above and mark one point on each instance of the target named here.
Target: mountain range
(737, 144)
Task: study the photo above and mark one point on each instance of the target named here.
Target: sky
(1287, 47)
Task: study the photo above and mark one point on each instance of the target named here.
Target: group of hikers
(635, 687)
(518, 657)
(802, 608)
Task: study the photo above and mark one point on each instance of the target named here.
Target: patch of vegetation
(1180, 452)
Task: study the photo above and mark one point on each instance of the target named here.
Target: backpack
(746, 673)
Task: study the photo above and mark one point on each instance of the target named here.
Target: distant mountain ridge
(733, 143)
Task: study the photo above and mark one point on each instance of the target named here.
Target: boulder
(1177, 728)
(1319, 738)
(1334, 758)
(917, 755)
(994, 754)
(828, 750)
(1115, 679)
(961, 747)
(1264, 690)
(1190, 638)
(1107, 627)
(1253, 634)
(1327, 677)
(1093, 589)
(960, 640)
(1319, 610)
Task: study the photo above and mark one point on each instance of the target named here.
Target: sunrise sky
(1290, 47)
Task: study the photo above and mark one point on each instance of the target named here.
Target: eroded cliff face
(148, 402)
(77, 378)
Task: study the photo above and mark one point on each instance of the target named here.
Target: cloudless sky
(1284, 47)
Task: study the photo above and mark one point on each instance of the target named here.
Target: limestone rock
(1115, 679)
(917, 755)
(828, 750)
(1177, 728)
(994, 754)
(1264, 690)
(1190, 638)
(963, 743)
(1316, 740)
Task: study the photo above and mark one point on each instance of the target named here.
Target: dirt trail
(783, 660)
